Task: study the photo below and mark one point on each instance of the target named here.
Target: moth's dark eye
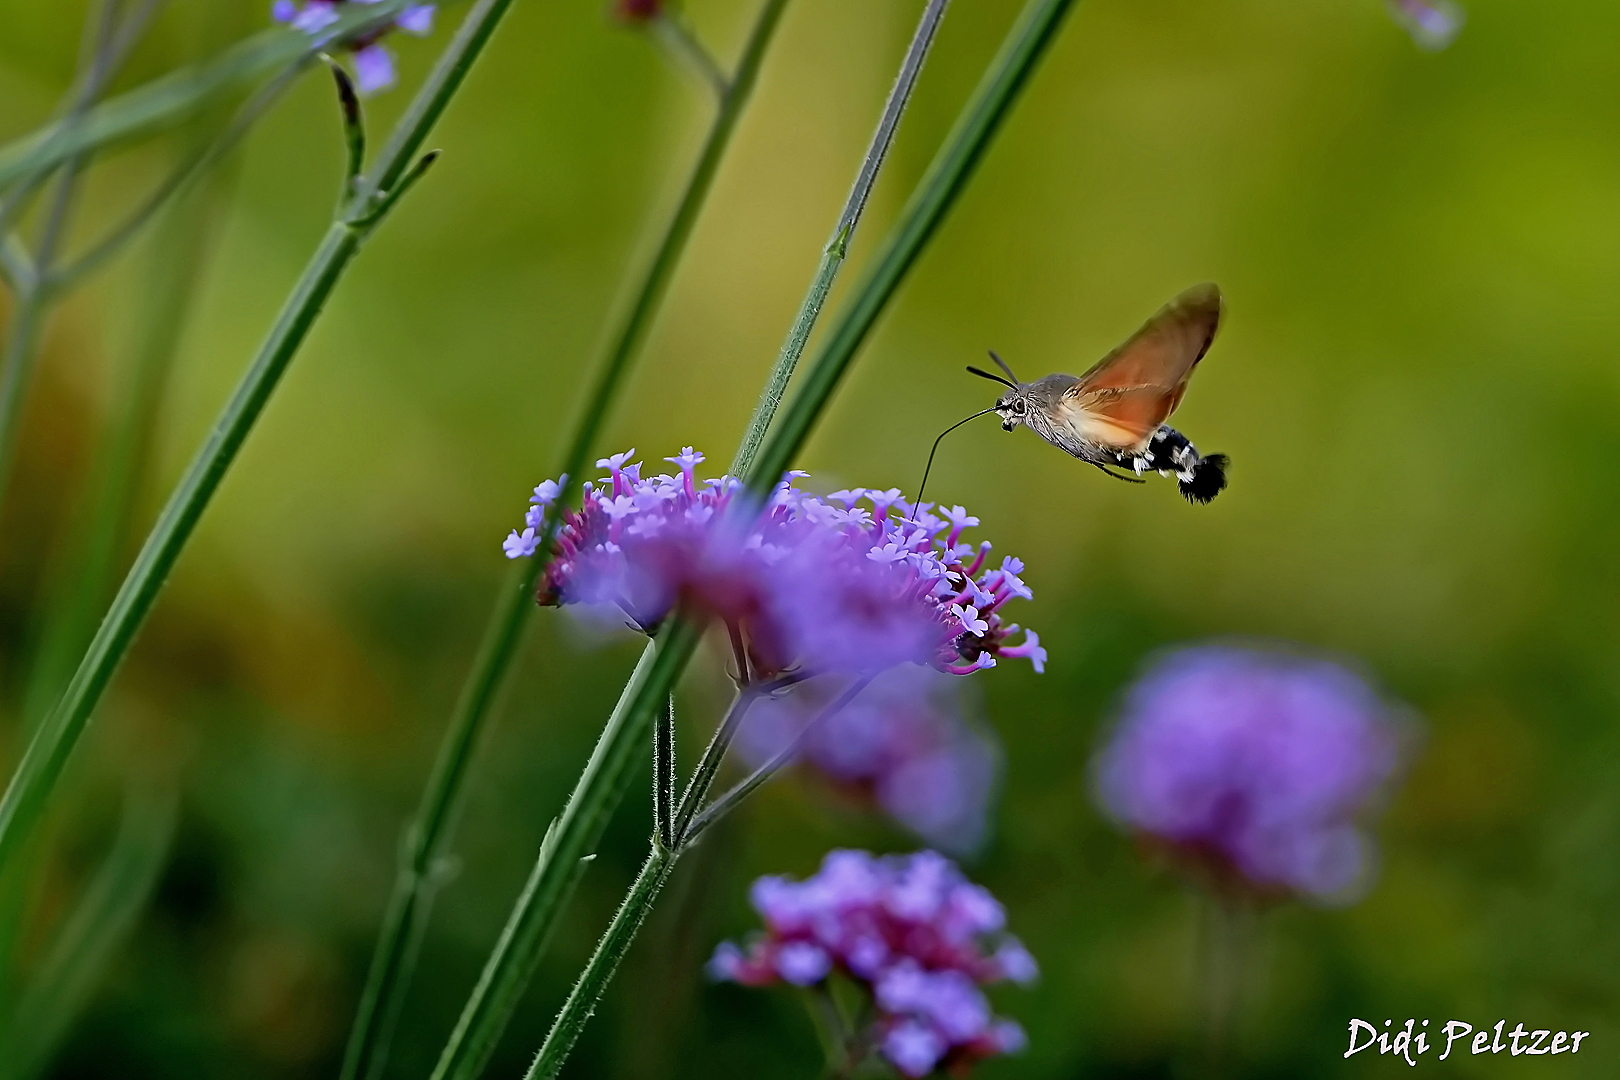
(1018, 406)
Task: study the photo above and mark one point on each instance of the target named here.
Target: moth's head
(1014, 405)
(1013, 408)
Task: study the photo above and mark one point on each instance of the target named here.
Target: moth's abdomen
(1170, 453)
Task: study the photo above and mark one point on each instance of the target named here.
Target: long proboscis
(922, 487)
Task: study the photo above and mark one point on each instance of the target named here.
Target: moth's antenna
(981, 373)
(1002, 364)
(927, 468)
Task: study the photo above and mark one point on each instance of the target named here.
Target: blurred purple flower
(902, 743)
(1260, 762)
(912, 932)
(373, 63)
(807, 585)
(1433, 24)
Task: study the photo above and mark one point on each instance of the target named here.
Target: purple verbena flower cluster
(373, 63)
(1258, 762)
(902, 744)
(808, 584)
(913, 932)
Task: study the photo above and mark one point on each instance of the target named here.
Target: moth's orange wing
(1124, 398)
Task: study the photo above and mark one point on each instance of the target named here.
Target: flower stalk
(638, 902)
(170, 99)
(945, 180)
(572, 838)
(53, 743)
(941, 185)
(837, 249)
(107, 42)
(688, 51)
(487, 1011)
(728, 801)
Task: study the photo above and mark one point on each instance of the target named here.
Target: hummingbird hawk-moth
(1114, 415)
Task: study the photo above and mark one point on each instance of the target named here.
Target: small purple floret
(802, 963)
(521, 545)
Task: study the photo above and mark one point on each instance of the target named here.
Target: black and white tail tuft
(1207, 481)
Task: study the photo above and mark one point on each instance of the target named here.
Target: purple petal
(373, 69)
(416, 19)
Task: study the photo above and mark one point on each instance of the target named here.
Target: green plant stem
(593, 981)
(105, 43)
(97, 56)
(664, 777)
(837, 249)
(180, 248)
(644, 891)
(45, 281)
(688, 51)
(708, 766)
(170, 99)
(88, 939)
(602, 964)
(53, 742)
(601, 786)
(17, 358)
(944, 181)
(196, 163)
(941, 185)
(16, 268)
(410, 902)
(728, 801)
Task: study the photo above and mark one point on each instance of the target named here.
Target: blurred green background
(1417, 384)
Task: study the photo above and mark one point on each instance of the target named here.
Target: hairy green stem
(728, 801)
(55, 739)
(644, 891)
(572, 838)
(708, 766)
(833, 255)
(409, 905)
(941, 185)
(603, 963)
(664, 777)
